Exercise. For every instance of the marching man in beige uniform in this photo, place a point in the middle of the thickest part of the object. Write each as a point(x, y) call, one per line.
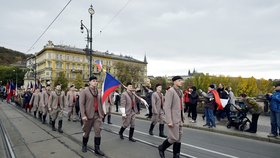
point(158, 112)
point(173, 107)
point(109, 104)
point(44, 101)
point(56, 105)
point(35, 101)
point(92, 114)
point(71, 102)
point(129, 110)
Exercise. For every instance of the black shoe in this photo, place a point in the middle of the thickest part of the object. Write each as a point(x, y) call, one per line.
point(206, 125)
point(131, 131)
point(44, 119)
point(109, 119)
point(84, 147)
point(176, 150)
point(161, 131)
point(163, 147)
point(60, 126)
point(121, 132)
point(97, 150)
point(53, 126)
point(151, 129)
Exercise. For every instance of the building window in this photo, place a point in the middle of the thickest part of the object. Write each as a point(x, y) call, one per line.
point(79, 67)
point(58, 65)
point(49, 55)
point(67, 66)
point(73, 66)
point(47, 73)
point(60, 57)
point(73, 76)
point(68, 75)
point(49, 64)
point(67, 57)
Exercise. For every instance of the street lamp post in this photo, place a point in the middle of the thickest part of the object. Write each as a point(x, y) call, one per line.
point(89, 37)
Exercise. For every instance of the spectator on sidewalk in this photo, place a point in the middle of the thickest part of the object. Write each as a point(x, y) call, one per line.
point(117, 100)
point(255, 109)
point(193, 98)
point(231, 101)
point(275, 112)
point(223, 95)
point(187, 102)
point(209, 106)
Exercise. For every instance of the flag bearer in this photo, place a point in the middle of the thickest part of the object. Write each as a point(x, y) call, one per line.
point(128, 102)
point(109, 104)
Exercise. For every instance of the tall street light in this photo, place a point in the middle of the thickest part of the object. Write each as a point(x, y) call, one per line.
point(89, 37)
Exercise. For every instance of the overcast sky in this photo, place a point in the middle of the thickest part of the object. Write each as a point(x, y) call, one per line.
point(227, 37)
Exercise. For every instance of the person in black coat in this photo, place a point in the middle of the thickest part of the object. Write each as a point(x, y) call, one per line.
point(193, 97)
point(27, 96)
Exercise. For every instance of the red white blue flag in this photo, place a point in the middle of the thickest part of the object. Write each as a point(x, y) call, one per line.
point(109, 85)
point(98, 64)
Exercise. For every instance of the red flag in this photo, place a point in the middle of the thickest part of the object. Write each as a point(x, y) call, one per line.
point(217, 100)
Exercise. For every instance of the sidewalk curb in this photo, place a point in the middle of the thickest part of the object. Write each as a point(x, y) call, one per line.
point(241, 134)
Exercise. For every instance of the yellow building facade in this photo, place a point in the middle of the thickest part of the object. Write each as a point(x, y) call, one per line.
point(53, 59)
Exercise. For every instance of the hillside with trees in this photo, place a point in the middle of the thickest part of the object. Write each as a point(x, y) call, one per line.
point(9, 56)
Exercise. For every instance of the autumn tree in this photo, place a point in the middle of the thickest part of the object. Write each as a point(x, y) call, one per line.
point(128, 72)
point(62, 80)
point(78, 82)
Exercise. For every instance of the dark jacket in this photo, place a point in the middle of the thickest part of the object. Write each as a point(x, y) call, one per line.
point(193, 97)
point(209, 100)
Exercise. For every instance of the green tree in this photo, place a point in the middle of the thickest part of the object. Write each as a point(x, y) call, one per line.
point(128, 72)
point(79, 83)
point(8, 73)
point(62, 80)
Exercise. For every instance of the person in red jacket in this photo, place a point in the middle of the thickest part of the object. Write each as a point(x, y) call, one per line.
point(187, 102)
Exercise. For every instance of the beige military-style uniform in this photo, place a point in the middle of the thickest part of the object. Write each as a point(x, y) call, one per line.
point(89, 97)
point(35, 101)
point(44, 101)
point(173, 107)
point(157, 108)
point(71, 102)
point(128, 101)
point(57, 102)
point(109, 103)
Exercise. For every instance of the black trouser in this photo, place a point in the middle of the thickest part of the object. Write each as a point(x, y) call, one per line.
point(187, 108)
point(227, 110)
point(193, 110)
point(117, 106)
point(150, 111)
point(254, 124)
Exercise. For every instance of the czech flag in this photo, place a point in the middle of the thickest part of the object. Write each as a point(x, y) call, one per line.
point(98, 64)
point(109, 85)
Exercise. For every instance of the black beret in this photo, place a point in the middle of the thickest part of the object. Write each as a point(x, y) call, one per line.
point(128, 83)
point(212, 86)
point(92, 78)
point(158, 85)
point(176, 78)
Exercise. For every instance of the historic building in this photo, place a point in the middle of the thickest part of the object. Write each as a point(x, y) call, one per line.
point(53, 59)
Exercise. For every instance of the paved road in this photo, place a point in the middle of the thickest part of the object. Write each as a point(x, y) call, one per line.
point(33, 139)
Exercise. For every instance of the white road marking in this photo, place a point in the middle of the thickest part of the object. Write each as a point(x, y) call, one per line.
point(193, 146)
